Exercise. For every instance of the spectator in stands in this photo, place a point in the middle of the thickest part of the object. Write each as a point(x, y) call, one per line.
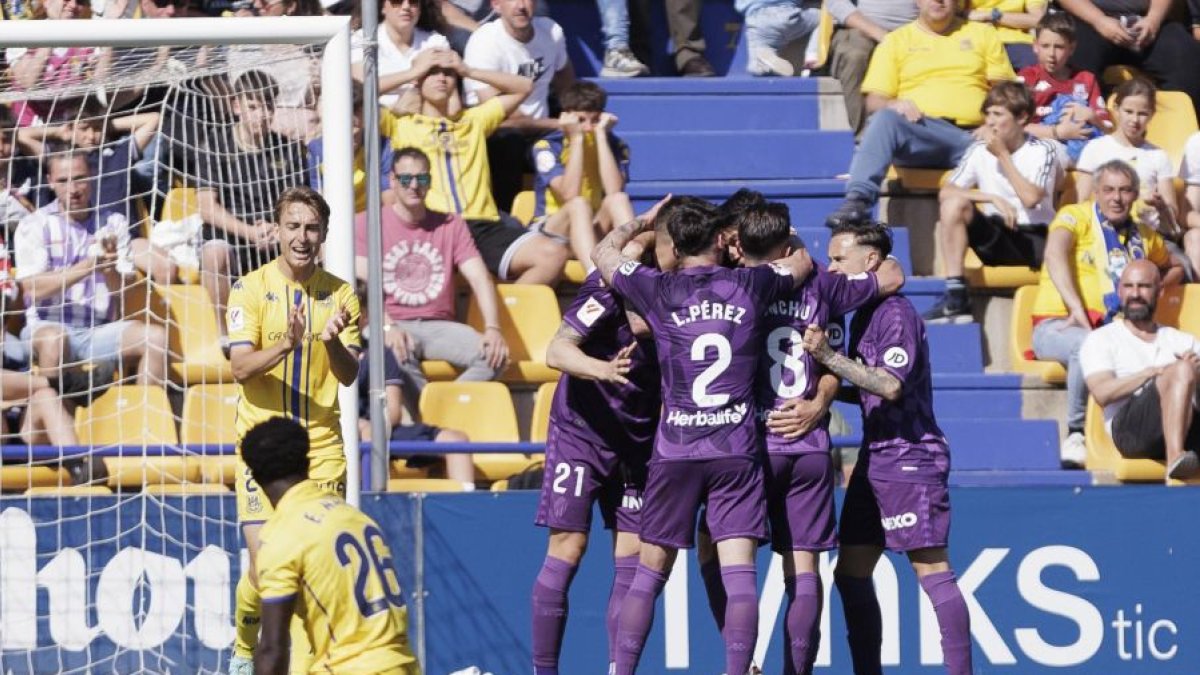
point(140, 9)
point(518, 43)
point(1069, 108)
point(581, 172)
point(1013, 20)
point(41, 418)
point(683, 24)
point(241, 173)
point(861, 25)
point(999, 200)
point(1118, 32)
point(421, 250)
point(773, 24)
point(73, 289)
point(406, 27)
point(1145, 377)
point(460, 172)
point(16, 178)
point(1156, 175)
point(1087, 249)
point(619, 60)
point(925, 89)
point(1189, 171)
point(458, 466)
point(51, 67)
point(316, 158)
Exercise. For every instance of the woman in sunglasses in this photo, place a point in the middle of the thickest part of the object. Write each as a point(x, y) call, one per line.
point(406, 27)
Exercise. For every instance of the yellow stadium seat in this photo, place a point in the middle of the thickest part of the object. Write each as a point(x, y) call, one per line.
point(134, 415)
point(222, 469)
point(22, 477)
point(539, 423)
point(824, 37)
point(998, 276)
point(575, 272)
point(1020, 340)
point(1179, 307)
point(180, 203)
point(439, 371)
point(185, 489)
point(926, 180)
point(484, 412)
point(1102, 454)
point(424, 485)
point(209, 413)
point(500, 485)
point(1116, 75)
point(400, 469)
point(194, 335)
point(69, 491)
point(529, 318)
point(1173, 123)
point(523, 206)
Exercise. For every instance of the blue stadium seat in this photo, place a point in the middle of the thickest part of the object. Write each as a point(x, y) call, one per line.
point(738, 155)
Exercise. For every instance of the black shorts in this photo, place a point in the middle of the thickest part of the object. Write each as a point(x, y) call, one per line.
point(417, 432)
point(1137, 428)
point(995, 244)
point(498, 241)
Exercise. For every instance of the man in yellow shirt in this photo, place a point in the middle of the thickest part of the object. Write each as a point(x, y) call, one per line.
point(924, 90)
point(325, 562)
point(1088, 246)
point(293, 331)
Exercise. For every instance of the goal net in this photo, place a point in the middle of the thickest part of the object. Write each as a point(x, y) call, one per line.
point(138, 178)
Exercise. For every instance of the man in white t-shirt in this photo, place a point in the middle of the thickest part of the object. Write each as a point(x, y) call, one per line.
point(1145, 376)
point(999, 200)
point(531, 46)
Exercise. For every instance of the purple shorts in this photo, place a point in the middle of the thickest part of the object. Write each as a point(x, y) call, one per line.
point(730, 489)
point(894, 515)
point(800, 502)
point(580, 473)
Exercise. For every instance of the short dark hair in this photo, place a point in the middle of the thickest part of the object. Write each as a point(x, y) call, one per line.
point(762, 228)
point(302, 194)
point(1012, 96)
point(691, 222)
point(740, 200)
point(276, 449)
point(411, 153)
point(868, 233)
point(1138, 86)
point(1059, 23)
point(256, 85)
point(583, 96)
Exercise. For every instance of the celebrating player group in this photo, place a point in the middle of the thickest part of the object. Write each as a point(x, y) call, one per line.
point(698, 372)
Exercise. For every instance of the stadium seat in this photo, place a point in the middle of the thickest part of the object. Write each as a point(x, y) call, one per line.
point(574, 272)
point(529, 318)
point(20, 478)
point(185, 489)
point(998, 276)
point(824, 38)
point(523, 206)
point(1179, 307)
point(180, 203)
point(1020, 340)
point(133, 415)
point(484, 412)
point(424, 485)
point(1113, 76)
point(910, 179)
point(221, 469)
point(194, 335)
point(1102, 454)
point(209, 414)
point(539, 422)
point(69, 491)
point(439, 371)
point(1173, 123)
point(400, 469)
point(500, 485)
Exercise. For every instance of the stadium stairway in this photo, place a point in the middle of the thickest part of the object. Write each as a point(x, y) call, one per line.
point(787, 138)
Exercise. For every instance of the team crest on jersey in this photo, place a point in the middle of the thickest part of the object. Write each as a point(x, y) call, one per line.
point(253, 503)
point(236, 319)
point(237, 285)
point(545, 161)
point(271, 297)
point(966, 45)
point(896, 357)
point(628, 267)
point(590, 311)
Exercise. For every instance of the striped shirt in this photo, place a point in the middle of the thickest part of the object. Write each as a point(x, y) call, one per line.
point(1036, 161)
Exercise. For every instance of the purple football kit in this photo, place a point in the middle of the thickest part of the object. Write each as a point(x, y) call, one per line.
point(601, 434)
point(708, 330)
point(897, 497)
point(799, 472)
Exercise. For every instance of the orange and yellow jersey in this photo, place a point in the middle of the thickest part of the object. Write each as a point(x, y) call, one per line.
point(301, 386)
point(333, 561)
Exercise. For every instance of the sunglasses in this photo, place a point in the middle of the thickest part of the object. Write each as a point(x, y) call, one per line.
point(424, 180)
point(399, 3)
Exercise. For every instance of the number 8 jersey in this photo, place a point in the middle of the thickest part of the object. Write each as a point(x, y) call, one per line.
point(332, 559)
point(708, 329)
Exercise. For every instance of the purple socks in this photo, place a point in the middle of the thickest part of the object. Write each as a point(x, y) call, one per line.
point(625, 569)
point(741, 616)
point(864, 623)
point(953, 619)
point(801, 628)
point(637, 613)
point(550, 613)
point(714, 588)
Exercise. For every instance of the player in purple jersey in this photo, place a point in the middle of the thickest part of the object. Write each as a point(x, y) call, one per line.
point(707, 327)
point(897, 498)
point(602, 424)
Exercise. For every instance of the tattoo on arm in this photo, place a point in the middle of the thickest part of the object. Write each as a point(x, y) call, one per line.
point(566, 332)
point(875, 380)
point(607, 254)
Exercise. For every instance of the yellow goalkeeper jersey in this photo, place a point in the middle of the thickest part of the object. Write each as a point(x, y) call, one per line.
point(333, 560)
point(301, 386)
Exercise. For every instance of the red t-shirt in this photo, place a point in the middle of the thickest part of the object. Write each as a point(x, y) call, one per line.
point(419, 260)
point(1046, 88)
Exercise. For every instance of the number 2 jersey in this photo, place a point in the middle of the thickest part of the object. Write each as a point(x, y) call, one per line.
point(901, 438)
point(332, 559)
point(785, 370)
point(708, 329)
point(621, 418)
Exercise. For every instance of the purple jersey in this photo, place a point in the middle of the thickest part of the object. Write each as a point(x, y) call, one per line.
point(785, 370)
point(620, 417)
point(902, 439)
point(708, 327)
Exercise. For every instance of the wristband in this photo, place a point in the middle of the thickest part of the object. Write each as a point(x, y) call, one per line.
point(495, 328)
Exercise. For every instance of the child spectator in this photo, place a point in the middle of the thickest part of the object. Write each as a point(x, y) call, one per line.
point(1189, 171)
point(581, 172)
point(1069, 107)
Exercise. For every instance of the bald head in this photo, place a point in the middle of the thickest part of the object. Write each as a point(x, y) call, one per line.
point(1138, 290)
